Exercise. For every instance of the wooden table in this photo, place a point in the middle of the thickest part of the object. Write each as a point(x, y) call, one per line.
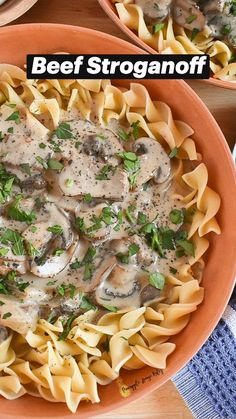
point(164, 403)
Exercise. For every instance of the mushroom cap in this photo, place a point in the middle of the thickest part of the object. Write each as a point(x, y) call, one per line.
point(82, 173)
point(154, 162)
point(154, 11)
point(186, 13)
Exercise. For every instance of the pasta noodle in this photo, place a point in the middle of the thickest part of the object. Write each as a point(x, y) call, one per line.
point(94, 351)
point(173, 39)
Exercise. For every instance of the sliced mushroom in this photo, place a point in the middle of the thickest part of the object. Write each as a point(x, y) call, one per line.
point(45, 262)
point(154, 161)
point(119, 288)
point(22, 146)
point(41, 236)
point(3, 334)
point(17, 315)
point(186, 13)
point(149, 293)
point(99, 268)
point(79, 178)
point(29, 182)
point(154, 11)
point(90, 217)
point(11, 265)
point(220, 19)
point(53, 264)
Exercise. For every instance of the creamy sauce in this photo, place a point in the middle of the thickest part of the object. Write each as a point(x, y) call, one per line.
point(218, 15)
point(83, 220)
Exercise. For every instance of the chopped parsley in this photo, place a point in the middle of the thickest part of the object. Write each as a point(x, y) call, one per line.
point(6, 183)
point(56, 229)
point(135, 127)
point(133, 249)
point(187, 246)
point(88, 198)
point(63, 289)
point(69, 183)
point(15, 116)
point(129, 212)
point(194, 33)
point(41, 161)
point(87, 263)
point(58, 252)
point(106, 172)
point(110, 308)
point(174, 153)
point(123, 135)
point(86, 304)
point(67, 326)
point(157, 27)
point(53, 164)
point(63, 131)
point(13, 238)
point(176, 216)
point(16, 213)
point(131, 164)
point(22, 285)
point(6, 315)
point(157, 280)
point(32, 251)
point(25, 167)
point(142, 218)
point(190, 19)
point(3, 251)
point(226, 29)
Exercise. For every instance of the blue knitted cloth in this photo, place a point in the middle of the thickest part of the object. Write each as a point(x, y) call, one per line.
point(208, 382)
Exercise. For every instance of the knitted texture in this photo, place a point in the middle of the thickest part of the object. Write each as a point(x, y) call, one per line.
point(208, 382)
point(214, 369)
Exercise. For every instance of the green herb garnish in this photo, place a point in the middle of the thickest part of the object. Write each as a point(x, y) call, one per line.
point(157, 280)
point(106, 172)
point(67, 326)
point(157, 27)
point(53, 164)
point(6, 315)
point(63, 131)
point(15, 116)
point(110, 308)
point(176, 216)
point(15, 239)
point(25, 167)
point(16, 213)
point(55, 229)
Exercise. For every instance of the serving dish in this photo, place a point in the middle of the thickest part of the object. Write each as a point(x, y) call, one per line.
point(110, 10)
point(12, 9)
point(34, 39)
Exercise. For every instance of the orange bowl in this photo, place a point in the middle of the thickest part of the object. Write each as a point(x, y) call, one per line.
point(110, 10)
point(13, 9)
point(19, 40)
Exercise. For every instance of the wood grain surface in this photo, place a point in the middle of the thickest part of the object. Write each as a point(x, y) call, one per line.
point(164, 403)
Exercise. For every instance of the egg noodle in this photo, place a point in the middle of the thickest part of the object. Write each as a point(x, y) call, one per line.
point(39, 363)
point(174, 39)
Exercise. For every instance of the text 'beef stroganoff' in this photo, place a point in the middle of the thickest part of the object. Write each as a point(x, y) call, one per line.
point(186, 27)
point(104, 209)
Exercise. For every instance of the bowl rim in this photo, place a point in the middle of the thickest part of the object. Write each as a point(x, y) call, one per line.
point(15, 10)
point(107, 7)
point(208, 329)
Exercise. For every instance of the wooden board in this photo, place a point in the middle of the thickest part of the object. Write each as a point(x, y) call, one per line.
point(164, 403)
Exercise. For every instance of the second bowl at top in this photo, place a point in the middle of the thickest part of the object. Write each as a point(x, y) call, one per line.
point(171, 38)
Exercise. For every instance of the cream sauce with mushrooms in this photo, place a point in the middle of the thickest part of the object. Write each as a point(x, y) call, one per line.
point(218, 15)
point(84, 220)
